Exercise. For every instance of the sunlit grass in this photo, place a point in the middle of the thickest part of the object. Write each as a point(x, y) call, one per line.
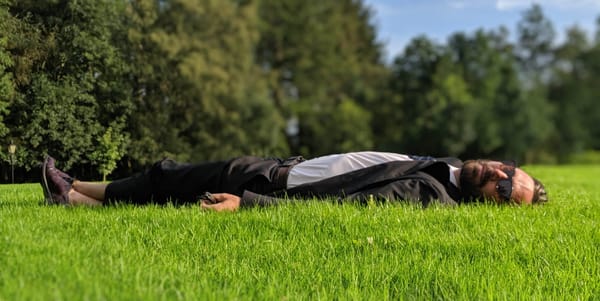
point(309, 250)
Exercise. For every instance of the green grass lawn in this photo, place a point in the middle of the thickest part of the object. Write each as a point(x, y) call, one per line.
point(311, 250)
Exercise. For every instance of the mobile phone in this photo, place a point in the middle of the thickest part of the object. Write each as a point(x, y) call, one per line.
point(208, 197)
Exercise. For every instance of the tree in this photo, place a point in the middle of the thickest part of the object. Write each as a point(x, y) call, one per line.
point(320, 56)
point(69, 77)
point(436, 107)
point(6, 84)
point(591, 60)
point(572, 94)
point(535, 49)
point(532, 114)
point(465, 99)
point(352, 124)
point(488, 65)
point(110, 149)
point(7, 89)
point(202, 97)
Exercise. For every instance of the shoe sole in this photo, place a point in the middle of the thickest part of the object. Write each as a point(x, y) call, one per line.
point(47, 192)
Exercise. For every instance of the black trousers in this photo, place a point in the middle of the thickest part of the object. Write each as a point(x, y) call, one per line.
point(169, 181)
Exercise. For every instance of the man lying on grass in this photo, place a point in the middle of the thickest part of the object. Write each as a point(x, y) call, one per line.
point(251, 181)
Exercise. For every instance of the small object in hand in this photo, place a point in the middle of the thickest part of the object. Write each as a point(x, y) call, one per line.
point(208, 197)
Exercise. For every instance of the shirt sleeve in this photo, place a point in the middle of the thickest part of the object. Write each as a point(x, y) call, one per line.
point(417, 189)
point(251, 199)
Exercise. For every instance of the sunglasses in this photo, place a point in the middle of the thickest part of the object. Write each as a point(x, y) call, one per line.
point(504, 187)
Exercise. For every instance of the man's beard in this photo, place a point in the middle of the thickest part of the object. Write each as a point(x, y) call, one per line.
point(470, 185)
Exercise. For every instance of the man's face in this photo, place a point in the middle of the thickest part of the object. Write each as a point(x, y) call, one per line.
point(484, 178)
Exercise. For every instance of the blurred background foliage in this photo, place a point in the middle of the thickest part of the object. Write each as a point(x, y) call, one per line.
point(212, 79)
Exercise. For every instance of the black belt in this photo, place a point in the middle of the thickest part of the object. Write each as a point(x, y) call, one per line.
point(280, 178)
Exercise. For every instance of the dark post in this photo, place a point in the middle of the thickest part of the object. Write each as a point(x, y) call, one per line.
point(12, 148)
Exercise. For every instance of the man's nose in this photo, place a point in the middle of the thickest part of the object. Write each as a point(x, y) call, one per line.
point(498, 174)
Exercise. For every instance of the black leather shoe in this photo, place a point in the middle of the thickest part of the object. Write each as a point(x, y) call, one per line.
point(51, 165)
point(44, 183)
point(56, 184)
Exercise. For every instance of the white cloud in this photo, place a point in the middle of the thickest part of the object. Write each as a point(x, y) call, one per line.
point(560, 4)
point(511, 4)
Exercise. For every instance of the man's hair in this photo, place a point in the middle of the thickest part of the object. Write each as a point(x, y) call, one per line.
point(539, 192)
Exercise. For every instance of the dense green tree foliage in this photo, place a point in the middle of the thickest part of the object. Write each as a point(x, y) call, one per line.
point(569, 95)
point(322, 59)
point(534, 55)
point(67, 72)
point(574, 94)
point(436, 102)
point(119, 84)
point(198, 92)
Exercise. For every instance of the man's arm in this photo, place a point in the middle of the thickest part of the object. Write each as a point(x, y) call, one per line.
point(419, 187)
point(230, 202)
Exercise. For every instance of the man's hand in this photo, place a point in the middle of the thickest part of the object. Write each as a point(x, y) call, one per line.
point(223, 202)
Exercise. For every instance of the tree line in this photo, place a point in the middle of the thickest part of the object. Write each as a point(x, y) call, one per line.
point(119, 84)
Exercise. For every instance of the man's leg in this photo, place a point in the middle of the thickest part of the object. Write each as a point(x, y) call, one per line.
point(77, 198)
point(166, 181)
point(90, 190)
point(171, 181)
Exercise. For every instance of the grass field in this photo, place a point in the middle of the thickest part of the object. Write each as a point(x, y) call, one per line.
point(306, 251)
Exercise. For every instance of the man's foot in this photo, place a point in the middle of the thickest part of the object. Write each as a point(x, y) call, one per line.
point(51, 165)
point(56, 184)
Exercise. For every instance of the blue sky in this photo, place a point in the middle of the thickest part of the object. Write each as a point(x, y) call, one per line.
point(398, 21)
